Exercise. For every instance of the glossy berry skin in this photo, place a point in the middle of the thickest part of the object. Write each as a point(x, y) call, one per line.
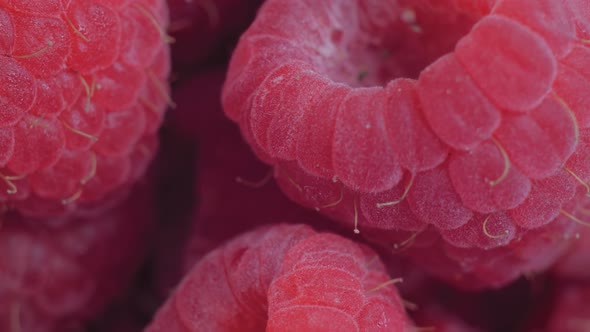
point(82, 95)
point(285, 278)
point(470, 122)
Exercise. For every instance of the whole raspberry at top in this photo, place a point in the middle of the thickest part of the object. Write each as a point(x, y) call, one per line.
point(469, 119)
point(82, 93)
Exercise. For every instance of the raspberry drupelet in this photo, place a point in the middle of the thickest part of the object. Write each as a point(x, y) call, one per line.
point(464, 120)
point(83, 91)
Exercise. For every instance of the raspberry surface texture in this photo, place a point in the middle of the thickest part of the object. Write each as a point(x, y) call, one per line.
point(82, 93)
point(56, 276)
point(464, 119)
point(285, 278)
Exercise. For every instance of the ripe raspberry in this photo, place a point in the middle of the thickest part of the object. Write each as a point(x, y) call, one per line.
point(466, 118)
point(285, 278)
point(57, 277)
point(83, 92)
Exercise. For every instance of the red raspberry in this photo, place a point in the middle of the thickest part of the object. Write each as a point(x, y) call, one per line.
point(56, 277)
point(467, 118)
point(285, 278)
point(83, 92)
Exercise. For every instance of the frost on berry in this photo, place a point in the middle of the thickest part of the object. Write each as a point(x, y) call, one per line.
point(57, 181)
point(119, 86)
point(494, 184)
point(83, 123)
point(571, 84)
point(95, 34)
point(289, 276)
point(36, 7)
point(122, 130)
point(539, 143)
point(512, 66)
point(7, 37)
point(412, 141)
point(546, 17)
point(18, 91)
point(360, 118)
point(81, 81)
point(433, 200)
point(56, 94)
point(464, 120)
point(454, 105)
point(579, 10)
point(41, 144)
point(545, 201)
point(41, 44)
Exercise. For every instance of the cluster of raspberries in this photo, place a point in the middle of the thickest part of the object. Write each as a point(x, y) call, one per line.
point(294, 165)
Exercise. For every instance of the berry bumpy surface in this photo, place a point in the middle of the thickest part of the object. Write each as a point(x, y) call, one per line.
point(82, 93)
point(285, 278)
point(463, 124)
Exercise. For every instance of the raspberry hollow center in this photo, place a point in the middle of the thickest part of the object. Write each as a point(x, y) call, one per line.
point(385, 40)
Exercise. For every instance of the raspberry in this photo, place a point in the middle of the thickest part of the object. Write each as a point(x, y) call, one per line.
point(285, 278)
point(468, 119)
point(83, 93)
point(57, 275)
point(480, 266)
